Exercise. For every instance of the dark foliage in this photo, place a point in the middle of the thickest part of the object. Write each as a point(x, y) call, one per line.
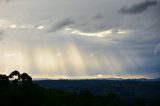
point(23, 92)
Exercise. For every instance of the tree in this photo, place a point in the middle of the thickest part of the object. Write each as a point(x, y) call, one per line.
point(4, 78)
point(26, 78)
point(15, 73)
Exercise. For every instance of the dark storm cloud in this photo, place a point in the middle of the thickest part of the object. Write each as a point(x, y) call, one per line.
point(89, 23)
point(61, 24)
point(138, 8)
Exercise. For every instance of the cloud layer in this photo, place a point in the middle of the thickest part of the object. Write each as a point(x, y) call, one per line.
point(61, 24)
point(80, 37)
point(138, 8)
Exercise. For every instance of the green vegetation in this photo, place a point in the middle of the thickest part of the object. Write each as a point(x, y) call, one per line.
point(18, 89)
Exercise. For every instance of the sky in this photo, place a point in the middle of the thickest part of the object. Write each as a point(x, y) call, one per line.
point(80, 38)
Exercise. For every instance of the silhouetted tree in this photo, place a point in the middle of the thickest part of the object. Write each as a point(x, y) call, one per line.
point(26, 78)
point(15, 73)
point(4, 78)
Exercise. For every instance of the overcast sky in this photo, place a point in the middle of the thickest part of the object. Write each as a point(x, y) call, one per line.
point(85, 38)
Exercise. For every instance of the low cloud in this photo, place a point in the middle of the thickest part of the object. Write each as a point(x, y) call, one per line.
point(61, 24)
point(138, 8)
point(101, 34)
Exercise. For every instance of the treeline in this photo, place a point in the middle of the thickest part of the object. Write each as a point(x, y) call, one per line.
point(15, 77)
point(18, 90)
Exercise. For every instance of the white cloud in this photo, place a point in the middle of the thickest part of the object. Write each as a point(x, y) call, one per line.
point(40, 27)
point(6, 24)
point(102, 34)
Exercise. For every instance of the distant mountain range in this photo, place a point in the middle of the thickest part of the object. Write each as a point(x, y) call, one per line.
point(114, 79)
